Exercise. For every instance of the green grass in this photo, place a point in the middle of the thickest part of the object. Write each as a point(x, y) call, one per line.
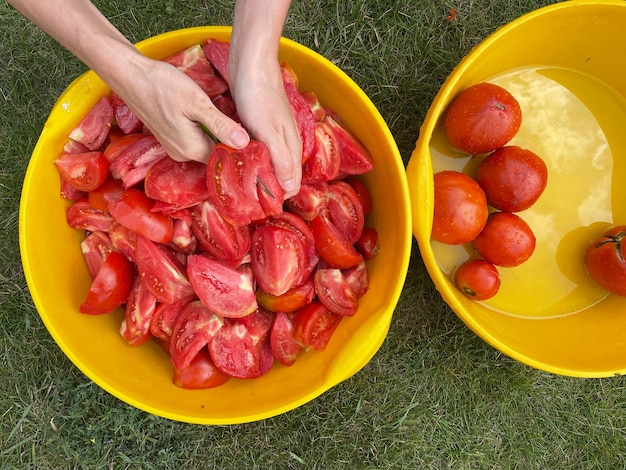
point(435, 395)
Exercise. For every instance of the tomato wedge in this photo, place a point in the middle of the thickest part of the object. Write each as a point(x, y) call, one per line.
point(226, 290)
point(110, 190)
point(84, 171)
point(193, 329)
point(334, 292)
point(95, 248)
point(332, 246)
point(180, 184)
point(284, 346)
point(292, 300)
point(345, 210)
point(140, 308)
point(310, 201)
point(165, 315)
point(110, 287)
point(201, 373)
point(323, 165)
point(134, 211)
point(93, 129)
point(83, 216)
point(314, 325)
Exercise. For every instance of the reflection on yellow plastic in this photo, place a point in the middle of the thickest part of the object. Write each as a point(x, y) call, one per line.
point(560, 62)
point(58, 278)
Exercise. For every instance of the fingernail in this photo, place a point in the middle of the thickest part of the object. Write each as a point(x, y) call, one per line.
point(288, 185)
point(239, 139)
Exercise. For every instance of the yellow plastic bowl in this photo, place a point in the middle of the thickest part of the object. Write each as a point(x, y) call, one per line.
point(58, 278)
point(582, 38)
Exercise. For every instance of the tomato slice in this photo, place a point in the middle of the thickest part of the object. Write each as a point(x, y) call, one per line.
point(278, 259)
point(193, 62)
point(110, 190)
point(117, 147)
point(314, 325)
point(110, 287)
point(83, 216)
point(218, 52)
point(218, 236)
point(345, 210)
point(69, 192)
point(134, 211)
point(304, 118)
point(193, 329)
point(165, 315)
point(358, 279)
point(123, 239)
point(140, 308)
point(319, 113)
point(84, 171)
point(292, 300)
point(284, 346)
point(334, 292)
point(332, 246)
point(310, 201)
point(183, 237)
point(180, 184)
point(226, 290)
point(323, 165)
point(238, 353)
point(125, 118)
point(93, 129)
point(132, 161)
point(163, 274)
point(354, 159)
point(362, 193)
point(201, 373)
point(95, 248)
point(368, 244)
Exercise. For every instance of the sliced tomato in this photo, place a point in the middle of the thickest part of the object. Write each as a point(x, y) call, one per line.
point(117, 147)
point(193, 62)
point(355, 159)
point(227, 106)
point(81, 215)
point(69, 192)
point(278, 259)
point(258, 324)
point(332, 246)
point(310, 201)
point(195, 326)
point(345, 210)
point(183, 237)
point(319, 113)
point(110, 287)
point(304, 118)
point(218, 53)
point(362, 193)
point(163, 274)
point(292, 300)
point(110, 190)
point(217, 236)
point(134, 211)
point(95, 248)
point(132, 161)
point(93, 129)
point(180, 184)
point(314, 325)
point(323, 165)
point(123, 239)
point(165, 315)
point(140, 308)
point(357, 278)
point(201, 373)
point(125, 118)
point(368, 244)
point(84, 171)
point(334, 292)
point(284, 346)
point(226, 290)
point(237, 353)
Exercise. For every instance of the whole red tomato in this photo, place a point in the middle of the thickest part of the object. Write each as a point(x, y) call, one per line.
point(482, 118)
point(460, 208)
point(507, 240)
point(478, 279)
point(513, 178)
point(605, 260)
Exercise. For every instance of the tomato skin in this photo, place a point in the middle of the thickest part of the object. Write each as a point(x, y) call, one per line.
point(110, 190)
point(478, 279)
point(134, 211)
point(368, 244)
point(323, 164)
point(460, 211)
point(83, 216)
point(95, 248)
point(482, 118)
point(284, 346)
point(292, 300)
point(345, 210)
point(605, 260)
point(507, 240)
point(334, 292)
point(362, 193)
point(84, 171)
point(111, 286)
point(332, 247)
point(513, 178)
point(201, 373)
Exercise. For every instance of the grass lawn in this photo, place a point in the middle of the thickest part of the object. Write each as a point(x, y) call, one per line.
point(434, 396)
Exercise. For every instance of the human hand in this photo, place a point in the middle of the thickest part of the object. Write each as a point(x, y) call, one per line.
point(173, 106)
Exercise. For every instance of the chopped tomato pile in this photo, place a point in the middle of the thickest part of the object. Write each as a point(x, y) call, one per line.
point(483, 211)
point(210, 260)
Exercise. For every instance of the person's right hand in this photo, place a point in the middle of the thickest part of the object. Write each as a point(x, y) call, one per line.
point(173, 106)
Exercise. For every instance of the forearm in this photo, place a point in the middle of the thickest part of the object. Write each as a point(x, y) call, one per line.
point(81, 28)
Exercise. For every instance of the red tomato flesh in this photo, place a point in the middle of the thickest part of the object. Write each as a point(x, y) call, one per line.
point(110, 287)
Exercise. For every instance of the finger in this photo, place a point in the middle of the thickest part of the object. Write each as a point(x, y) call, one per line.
point(223, 128)
point(286, 158)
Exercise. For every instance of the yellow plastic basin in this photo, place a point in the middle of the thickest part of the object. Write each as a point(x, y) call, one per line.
point(58, 278)
point(563, 62)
